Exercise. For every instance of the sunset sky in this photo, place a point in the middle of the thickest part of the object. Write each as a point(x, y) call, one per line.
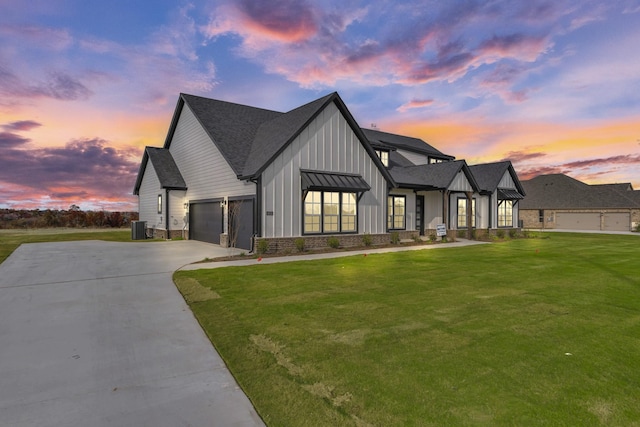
point(554, 86)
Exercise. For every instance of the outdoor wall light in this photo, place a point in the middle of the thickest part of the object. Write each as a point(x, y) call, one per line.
point(223, 203)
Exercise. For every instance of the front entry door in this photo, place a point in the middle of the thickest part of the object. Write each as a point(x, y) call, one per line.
point(420, 214)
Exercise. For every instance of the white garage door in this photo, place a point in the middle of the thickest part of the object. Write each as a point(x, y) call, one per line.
point(617, 222)
point(578, 221)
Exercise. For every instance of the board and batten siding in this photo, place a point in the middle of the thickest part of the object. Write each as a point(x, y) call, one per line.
point(415, 158)
point(432, 209)
point(148, 199)
point(204, 169)
point(507, 181)
point(328, 144)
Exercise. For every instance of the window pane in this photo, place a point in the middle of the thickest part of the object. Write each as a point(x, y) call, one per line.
point(348, 212)
point(312, 209)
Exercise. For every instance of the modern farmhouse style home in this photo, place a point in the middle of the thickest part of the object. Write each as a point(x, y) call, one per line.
point(235, 175)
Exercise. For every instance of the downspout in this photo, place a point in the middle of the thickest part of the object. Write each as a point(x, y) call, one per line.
point(257, 211)
point(166, 215)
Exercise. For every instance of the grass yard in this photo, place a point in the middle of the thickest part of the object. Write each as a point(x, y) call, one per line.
point(11, 239)
point(542, 331)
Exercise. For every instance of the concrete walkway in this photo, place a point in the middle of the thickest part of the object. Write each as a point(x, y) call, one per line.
point(311, 256)
point(554, 230)
point(96, 334)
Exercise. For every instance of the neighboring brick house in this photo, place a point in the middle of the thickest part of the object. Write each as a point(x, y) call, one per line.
point(558, 201)
point(228, 169)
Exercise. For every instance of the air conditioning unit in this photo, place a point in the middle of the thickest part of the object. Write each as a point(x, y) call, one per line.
point(138, 230)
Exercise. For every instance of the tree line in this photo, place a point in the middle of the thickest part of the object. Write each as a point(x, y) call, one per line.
point(73, 217)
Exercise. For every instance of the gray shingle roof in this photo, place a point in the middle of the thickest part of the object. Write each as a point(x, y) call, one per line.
point(250, 138)
point(232, 127)
point(435, 176)
point(391, 140)
point(165, 167)
point(558, 191)
point(488, 175)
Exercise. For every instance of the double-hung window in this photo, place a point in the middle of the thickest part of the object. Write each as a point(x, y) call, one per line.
point(462, 213)
point(330, 212)
point(505, 213)
point(396, 210)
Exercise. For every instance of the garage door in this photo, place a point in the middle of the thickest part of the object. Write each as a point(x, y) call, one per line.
point(617, 222)
point(205, 222)
point(578, 221)
point(241, 217)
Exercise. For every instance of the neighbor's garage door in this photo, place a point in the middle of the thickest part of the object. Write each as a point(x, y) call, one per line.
point(617, 222)
point(578, 221)
point(205, 222)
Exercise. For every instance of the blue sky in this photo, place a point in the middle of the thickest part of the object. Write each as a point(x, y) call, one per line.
point(85, 85)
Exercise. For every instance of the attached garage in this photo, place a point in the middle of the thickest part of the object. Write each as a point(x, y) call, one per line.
point(578, 220)
point(617, 221)
point(205, 221)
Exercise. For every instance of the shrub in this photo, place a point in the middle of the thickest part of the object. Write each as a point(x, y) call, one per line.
point(513, 233)
point(500, 234)
point(433, 237)
point(461, 234)
point(299, 242)
point(395, 237)
point(367, 240)
point(416, 238)
point(333, 242)
point(262, 247)
point(638, 228)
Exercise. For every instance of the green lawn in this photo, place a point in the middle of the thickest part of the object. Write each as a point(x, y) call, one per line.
point(542, 331)
point(11, 239)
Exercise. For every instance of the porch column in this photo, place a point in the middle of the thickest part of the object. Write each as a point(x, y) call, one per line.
point(445, 208)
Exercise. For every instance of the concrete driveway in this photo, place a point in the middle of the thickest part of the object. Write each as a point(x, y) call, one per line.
point(96, 334)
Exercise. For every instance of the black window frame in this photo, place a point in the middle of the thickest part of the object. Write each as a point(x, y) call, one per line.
point(501, 203)
point(391, 215)
point(379, 154)
point(473, 213)
point(540, 215)
point(160, 204)
point(322, 214)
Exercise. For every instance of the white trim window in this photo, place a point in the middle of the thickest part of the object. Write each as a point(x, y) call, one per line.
point(159, 203)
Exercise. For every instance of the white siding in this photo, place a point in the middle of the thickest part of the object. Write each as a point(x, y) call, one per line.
point(148, 198)
point(507, 181)
point(177, 212)
point(482, 211)
point(327, 144)
point(432, 209)
point(460, 183)
point(415, 158)
point(204, 169)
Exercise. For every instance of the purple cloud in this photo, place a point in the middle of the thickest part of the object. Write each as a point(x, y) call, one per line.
point(58, 85)
point(85, 165)
point(21, 125)
point(521, 156)
point(10, 140)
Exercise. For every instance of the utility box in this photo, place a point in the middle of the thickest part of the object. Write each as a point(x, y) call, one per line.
point(138, 230)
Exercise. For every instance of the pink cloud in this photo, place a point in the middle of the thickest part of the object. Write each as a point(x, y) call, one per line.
point(415, 103)
point(517, 46)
